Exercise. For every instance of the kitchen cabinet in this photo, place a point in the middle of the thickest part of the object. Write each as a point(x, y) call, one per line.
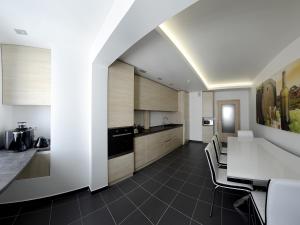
point(120, 95)
point(150, 95)
point(26, 75)
point(120, 168)
point(150, 148)
point(183, 113)
point(207, 133)
point(207, 104)
point(39, 166)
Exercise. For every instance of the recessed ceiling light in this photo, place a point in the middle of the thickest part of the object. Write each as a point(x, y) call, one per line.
point(188, 81)
point(171, 84)
point(159, 78)
point(142, 71)
point(21, 32)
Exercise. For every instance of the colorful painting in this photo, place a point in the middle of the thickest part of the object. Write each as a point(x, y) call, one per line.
point(278, 99)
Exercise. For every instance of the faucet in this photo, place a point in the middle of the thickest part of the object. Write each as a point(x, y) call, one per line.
point(165, 120)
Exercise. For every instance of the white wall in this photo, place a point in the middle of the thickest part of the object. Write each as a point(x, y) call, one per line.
point(284, 139)
point(195, 123)
point(157, 118)
point(241, 94)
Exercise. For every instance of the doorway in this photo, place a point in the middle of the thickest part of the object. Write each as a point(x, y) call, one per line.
point(228, 119)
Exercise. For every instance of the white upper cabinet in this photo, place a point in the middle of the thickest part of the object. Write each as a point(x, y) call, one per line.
point(26, 75)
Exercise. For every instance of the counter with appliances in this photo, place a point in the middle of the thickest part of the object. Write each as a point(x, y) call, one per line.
point(156, 129)
point(12, 163)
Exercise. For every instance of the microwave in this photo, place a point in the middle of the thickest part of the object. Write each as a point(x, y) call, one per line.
point(207, 121)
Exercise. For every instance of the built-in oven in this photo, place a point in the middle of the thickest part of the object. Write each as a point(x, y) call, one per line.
point(120, 141)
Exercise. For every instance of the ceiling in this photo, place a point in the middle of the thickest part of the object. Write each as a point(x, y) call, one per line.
point(160, 59)
point(226, 43)
point(52, 21)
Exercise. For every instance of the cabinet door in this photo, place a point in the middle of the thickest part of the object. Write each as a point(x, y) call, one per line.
point(207, 133)
point(140, 145)
point(120, 95)
point(155, 144)
point(150, 95)
point(120, 168)
point(207, 104)
point(26, 73)
point(39, 166)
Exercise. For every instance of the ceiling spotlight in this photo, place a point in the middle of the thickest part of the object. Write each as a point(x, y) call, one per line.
point(20, 31)
point(171, 84)
point(188, 81)
point(159, 78)
point(142, 71)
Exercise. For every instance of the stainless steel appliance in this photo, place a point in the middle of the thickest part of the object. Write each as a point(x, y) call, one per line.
point(207, 121)
point(120, 141)
point(19, 139)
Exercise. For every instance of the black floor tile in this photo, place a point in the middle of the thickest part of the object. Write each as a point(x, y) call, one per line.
point(90, 203)
point(174, 184)
point(229, 199)
point(191, 190)
point(64, 213)
point(184, 204)
point(36, 217)
point(196, 180)
point(230, 217)
point(9, 209)
point(121, 209)
point(7, 220)
point(172, 217)
point(165, 194)
point(202, 211)
point(76, 222)
point(139, 178)
point(161, 177)
point(111, 194)
point(138, 196)
point(153, 209)
point(181, 175)
point(152, 186)
point(101, 216)
point(36, 205)
point(207, 195)
point(127, 185)
point(136, 218)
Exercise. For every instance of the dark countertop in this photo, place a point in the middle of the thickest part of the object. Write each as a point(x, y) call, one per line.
point(156, 129)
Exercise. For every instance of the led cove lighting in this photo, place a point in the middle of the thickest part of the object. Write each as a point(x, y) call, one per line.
point(179, 45)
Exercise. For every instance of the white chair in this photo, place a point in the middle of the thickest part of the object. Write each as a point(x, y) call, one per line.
point(222, 149)
point(245, 133)
point(280, 205)
point(219, 175)
point(221, 158)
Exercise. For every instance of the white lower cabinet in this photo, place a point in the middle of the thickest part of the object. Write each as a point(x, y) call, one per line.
point(149, 148)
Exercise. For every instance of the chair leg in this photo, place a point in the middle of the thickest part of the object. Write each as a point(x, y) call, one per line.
point(249, 211)
point(213, 201)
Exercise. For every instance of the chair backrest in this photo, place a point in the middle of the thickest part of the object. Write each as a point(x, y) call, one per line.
point(283, 202)
point(218, 139)
point(245, 133)
point(212, 161)
point(215, 143)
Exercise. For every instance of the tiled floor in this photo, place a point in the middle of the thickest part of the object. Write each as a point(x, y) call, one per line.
point(176, 190)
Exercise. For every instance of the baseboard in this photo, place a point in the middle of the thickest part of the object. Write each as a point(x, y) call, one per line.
point(98, 190)
point(194, 141)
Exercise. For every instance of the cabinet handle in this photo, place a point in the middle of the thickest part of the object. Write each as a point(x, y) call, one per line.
point(119, 135)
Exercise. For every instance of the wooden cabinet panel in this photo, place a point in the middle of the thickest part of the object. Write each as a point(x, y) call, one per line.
point(26, 75)
point(207, 104)
point(150, 95)
point(183, 113)
point(140, 147)
point(120, 168)
point(151, 147)
point(207, 133)
point(39, 166)
point(120, 95)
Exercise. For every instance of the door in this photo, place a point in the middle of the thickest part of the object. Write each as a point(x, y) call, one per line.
point(228, 118)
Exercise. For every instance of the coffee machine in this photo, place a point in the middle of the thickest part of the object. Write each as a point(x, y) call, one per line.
point(19, 139)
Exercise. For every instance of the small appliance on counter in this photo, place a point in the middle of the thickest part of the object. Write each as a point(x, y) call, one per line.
point(19, 139)
point(41, 142)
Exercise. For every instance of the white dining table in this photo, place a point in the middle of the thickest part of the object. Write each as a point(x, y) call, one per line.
point(256, 159)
